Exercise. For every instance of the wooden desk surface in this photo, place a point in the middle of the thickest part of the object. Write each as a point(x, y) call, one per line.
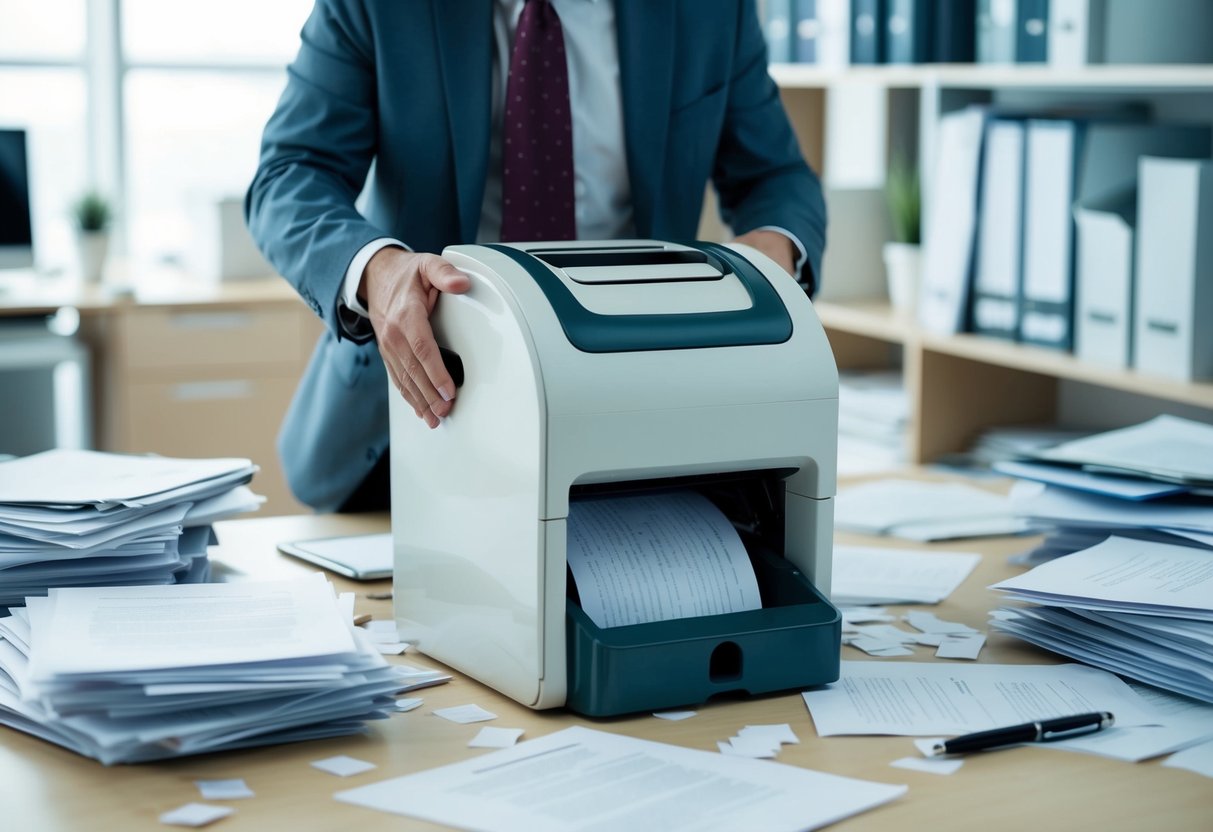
point(45, 788)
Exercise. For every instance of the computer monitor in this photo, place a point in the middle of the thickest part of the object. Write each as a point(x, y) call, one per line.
point(16, 227)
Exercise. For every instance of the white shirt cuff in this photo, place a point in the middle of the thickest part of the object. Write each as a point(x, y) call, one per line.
point(802, 254)
point(353, 275)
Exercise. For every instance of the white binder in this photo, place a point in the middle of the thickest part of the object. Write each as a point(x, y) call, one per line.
point(1104, 288)
point(996, 276)
point(1174, 296)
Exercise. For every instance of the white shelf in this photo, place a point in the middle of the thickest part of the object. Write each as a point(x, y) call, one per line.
point(1126, 78)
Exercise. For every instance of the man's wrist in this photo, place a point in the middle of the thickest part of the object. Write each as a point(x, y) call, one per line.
point(353, 290)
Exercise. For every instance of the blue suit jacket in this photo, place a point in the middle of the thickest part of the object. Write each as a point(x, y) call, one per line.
point(406, 84)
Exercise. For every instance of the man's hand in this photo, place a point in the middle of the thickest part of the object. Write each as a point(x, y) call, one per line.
point(774, 245)
point(401, 288)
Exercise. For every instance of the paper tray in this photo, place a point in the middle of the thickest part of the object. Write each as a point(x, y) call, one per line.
point(792, 642)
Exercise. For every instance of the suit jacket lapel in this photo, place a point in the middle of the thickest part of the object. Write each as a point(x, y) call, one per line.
point(646, 71)
point(465, 51)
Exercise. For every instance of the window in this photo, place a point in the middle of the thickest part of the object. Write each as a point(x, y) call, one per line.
point(165, 118)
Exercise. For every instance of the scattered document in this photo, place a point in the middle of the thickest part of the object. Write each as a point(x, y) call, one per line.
point(1197, 759)
point(1123, 575)
point(756, 748)
point(406, 705)
point(1165, 447)
point(86, 478)
point(224, 789)
point(928, 622)
point(129, 674)
point(868, 575)
point(343, 766)
point(1053, 506)
point(195, 814)
point(917, 699)
point(490, 737)
point(1182, 722)
point(655, 557)
point(930, 766)
point(1109, 485)
point(1175, 654)
point(579, 778)
point(782, 733)
point(465, 714)
point(924, 511)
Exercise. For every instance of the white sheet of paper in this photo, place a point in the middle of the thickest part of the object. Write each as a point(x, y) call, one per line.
point(675, 716)
point(1198, 759)
point(406, 705)
point(930, 766)
point(961, 647)
point(579, 778)
point(1126, 488)
point(870, 575)
point(490, 737)
point(1165, 445)
point(918, 699)
point(1122, 573)
point(465, 714)
point(391, 648)
point(343, 766)
point(223, 789)
point(878, 646)
point(654, 557)
point(195, 814)
point(85, 477)
point(126, 628)
point(883, 505)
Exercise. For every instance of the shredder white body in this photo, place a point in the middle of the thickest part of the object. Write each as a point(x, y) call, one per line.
point(479, 504)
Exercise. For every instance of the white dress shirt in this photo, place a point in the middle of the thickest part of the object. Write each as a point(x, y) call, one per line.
point(601, 188)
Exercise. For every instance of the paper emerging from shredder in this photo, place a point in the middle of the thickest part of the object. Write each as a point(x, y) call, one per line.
point(653, 557)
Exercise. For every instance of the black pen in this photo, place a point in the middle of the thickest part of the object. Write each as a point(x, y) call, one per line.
point(1046, 730)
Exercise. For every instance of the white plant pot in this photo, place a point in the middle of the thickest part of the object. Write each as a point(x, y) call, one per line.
point(903, 267)
point(93, 247)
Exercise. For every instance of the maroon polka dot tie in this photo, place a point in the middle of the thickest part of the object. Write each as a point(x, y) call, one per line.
point(537, 150)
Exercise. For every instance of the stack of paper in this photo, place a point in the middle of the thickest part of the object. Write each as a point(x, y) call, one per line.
point(1138, 608)
point(82, 518)
point(126, 674)
point(1151, 482)
point(873, 414)
point(924, 511)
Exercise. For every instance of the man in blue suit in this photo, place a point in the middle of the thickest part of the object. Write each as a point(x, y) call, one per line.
point(407, 97)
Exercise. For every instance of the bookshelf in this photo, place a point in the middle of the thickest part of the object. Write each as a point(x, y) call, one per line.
point(958, 385)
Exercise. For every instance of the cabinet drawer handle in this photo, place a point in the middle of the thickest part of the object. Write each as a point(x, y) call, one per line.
point(193, 391)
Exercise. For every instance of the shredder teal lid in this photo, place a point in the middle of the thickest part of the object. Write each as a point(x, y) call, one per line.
point(765, 321)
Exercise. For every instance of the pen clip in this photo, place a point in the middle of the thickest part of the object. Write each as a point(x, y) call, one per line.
point(1068, 733)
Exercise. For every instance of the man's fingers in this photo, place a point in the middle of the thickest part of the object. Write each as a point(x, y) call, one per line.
point(427, 368)
point(440, 274)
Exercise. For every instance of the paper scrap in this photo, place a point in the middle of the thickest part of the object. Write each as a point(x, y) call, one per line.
point(195, 814)
point(463, 714)
point(1198, 759)
point(675, 716)
point(928, 623)
point(404, 705)
point(879, 647)
point(343, 766)
point(758, 748)
point(961, 647)
point(490, 737)
point(391, 648)
point(932, 766)
point(862, 615)
point(223, 789)
point(926, 745)
point(782, 733)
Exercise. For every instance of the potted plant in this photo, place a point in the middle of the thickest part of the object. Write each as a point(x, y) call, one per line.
point(92, 216)
point(902, 255)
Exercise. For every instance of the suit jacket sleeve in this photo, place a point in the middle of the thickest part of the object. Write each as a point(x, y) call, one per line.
point(315, 154)
point(760, 175)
